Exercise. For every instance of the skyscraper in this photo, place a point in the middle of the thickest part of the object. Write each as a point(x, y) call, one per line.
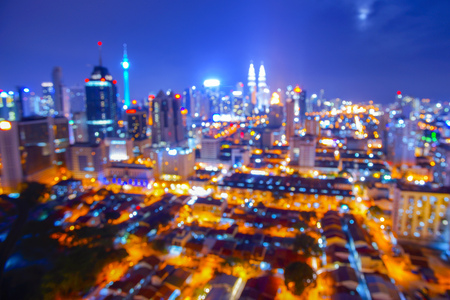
point(58, 100)
point(126, 87)
point(47, 103)
point(263, 91)
point(137, 124)
point(167, 126)
point(101, 103)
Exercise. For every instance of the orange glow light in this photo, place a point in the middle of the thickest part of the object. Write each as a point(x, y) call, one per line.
point(134, 102)
point(5, 125)
point(297, 89)
point(103, 79)
point(131, 111)
point(177, 96)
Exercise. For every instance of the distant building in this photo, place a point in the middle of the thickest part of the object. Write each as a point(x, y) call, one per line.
point(302, 150)
point(137, 124)
point(77, 99)
point(210, 147)
point(88, 160)
point(421, 214)
point(290, 126)
point(48, 99)
point(441, 169)
point(33, 149)
point(80, 127)
point(167, 125)
point(61, 103)
point(8, 107)
point(171, 164)
point(402, 141)
point(101, 102)
point(312, 125)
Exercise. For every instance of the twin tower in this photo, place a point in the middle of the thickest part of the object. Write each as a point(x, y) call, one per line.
point(260, 97)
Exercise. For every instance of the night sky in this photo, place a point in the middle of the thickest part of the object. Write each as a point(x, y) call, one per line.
point(354, 49)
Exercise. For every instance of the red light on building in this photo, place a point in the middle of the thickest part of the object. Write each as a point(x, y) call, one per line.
point(231, 124)
point(86, 80)
point(151, 97)
point(242, 85)
point(242, 134)
point(297, 89)
point(399, 92)
point(114, 81)
point(131, 111)
point(177, 96)
point(103, 79)
point(99, 43)
point(138, 207)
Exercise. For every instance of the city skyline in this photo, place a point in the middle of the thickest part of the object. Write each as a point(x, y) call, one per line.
point(377, 49)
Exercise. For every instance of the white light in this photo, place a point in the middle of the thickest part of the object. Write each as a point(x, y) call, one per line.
point(3, 94)
point(237, 93)
point(193, 87)
point(172, 152)
point(125, 65)
point(211, 83)
point(26, 90)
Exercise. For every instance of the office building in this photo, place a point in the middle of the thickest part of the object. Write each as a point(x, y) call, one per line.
point(101, 105)
point(77, 99)
point(263, 91)
point(61, 98)
point(289, 128)
point(421, 214)
point(302, 151)
point(312, 125)
point(172, 164)
point(167, 126)
point(33, 149)
point(8, 106)
point(137, 124)
point(47, 101)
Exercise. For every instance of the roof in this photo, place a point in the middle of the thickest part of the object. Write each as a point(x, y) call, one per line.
point(178, 278)
point(224, 279)
point(345, 274)
point(265, 287)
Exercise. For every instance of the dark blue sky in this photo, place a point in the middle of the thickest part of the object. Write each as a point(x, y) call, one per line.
point(353, 49)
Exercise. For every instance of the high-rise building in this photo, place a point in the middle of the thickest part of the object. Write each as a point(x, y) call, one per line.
point(302, 150)
point(275, 115)
point(80, 127)
point(421, 214)
point(47, 102)
point(101, 105)
point(126, 85)
point(137, 124)
point(299, 98)
point(167, 125)
point(263, 90)
point(290, 126)
point(402, 140)
point(33, 149)
point(312, 125)
point(60, 105)
point(77, 99)
point(8, 106)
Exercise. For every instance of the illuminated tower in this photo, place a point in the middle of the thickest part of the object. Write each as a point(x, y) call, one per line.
point(263, 91)
point(251, 78)
point(125, 66)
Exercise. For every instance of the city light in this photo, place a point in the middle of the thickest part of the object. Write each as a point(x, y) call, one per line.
point(5, 125)
point(125, 65)
point(211, 83)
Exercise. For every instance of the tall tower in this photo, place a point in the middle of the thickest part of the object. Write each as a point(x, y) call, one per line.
point(58, 89)
point(125, 66)
point(263, 93)
point(251, 78)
